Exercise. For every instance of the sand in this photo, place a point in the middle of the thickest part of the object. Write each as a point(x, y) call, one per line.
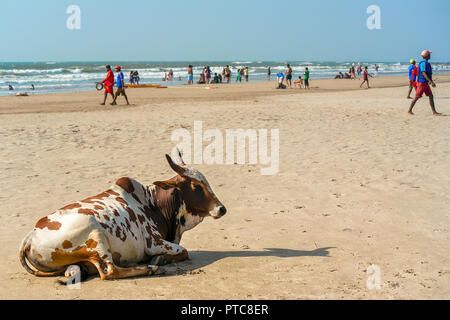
point(360, 183)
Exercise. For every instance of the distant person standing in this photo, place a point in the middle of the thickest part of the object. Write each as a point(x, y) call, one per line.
point(120, 84)
point(223, 74)
point(246, 74)
point(359, 70)
point(413, 73)
point(376, 69)
point(366, 78)
point(425, 77)
point(131, 77)
point(228, 73)
point(289, 75)
point(268, 74)
point(208, 74)
point(238, 75)
point(306, 79)
point(136, 77)
point(108, 84)
point(190, 75)
point(352, 72)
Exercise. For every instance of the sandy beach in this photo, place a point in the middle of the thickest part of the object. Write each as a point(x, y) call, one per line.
point(360, 183)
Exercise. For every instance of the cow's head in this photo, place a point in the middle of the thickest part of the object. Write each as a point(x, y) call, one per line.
point(194, 189)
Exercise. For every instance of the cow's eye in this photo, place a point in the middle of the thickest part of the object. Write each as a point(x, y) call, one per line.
point(198, 187)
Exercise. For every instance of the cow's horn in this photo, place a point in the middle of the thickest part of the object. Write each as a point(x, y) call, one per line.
point(177, 168)
point(180, 158)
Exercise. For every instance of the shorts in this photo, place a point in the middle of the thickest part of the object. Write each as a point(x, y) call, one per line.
point(423, 87)
point(190, 77)
point(109, 88)
point(306, 82)
point(120, 91)
point(289, 77)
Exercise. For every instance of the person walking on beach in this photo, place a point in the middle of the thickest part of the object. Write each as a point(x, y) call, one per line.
point(268, 74)
point(289, 75)
point(413, 73)
point(425, 77)
point(120, 84)
point(108, 84)
point(366, 78)
point(306, 79)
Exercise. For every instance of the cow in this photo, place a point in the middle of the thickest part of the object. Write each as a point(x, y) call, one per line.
point(129, 230)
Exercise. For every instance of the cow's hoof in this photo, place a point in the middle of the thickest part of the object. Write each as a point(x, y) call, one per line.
point(158, 260)
point(152, 269)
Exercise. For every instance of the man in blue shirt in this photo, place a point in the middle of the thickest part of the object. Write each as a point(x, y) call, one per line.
point(425, 76)
point(120, 84)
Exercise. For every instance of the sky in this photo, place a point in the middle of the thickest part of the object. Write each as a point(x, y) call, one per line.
point(231, 30)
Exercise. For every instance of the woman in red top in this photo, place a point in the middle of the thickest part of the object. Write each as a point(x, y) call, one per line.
point(109, 84)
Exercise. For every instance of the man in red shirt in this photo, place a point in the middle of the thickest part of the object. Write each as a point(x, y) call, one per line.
point(109, 84)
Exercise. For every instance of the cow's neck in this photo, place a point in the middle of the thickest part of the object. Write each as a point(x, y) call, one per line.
point(171, 216)
point(166, 206)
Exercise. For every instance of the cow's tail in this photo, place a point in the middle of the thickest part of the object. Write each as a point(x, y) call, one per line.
point(24, 248)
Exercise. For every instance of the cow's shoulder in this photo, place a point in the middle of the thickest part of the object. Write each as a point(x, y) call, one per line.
point(127, 184)
point(133, 188)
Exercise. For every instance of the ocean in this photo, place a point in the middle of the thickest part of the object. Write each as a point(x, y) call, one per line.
point(53, 77)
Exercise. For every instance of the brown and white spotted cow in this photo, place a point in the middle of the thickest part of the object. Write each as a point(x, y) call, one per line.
point(115, 232)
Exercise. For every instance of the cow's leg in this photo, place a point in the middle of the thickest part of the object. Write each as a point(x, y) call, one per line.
point(106, 268)
point(115, 272)
point(167, 252)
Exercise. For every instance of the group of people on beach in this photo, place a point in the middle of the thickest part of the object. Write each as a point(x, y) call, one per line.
point(169, 76)
point(358, 70)
point(134, 77)
point(109, 83)
point(300, 83)
point(420, 79)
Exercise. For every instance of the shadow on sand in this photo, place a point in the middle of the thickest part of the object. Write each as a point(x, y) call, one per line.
point(203, 258)
point(199, 259)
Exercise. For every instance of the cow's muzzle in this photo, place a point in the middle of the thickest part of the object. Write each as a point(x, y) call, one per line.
point(218, 212)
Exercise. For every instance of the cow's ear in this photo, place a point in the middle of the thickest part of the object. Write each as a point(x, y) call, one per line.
point(166, 184)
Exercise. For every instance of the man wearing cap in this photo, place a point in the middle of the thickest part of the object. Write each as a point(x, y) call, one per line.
point(424, 78)
point(120, 84)
point(413, 73)
point(109, 84)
